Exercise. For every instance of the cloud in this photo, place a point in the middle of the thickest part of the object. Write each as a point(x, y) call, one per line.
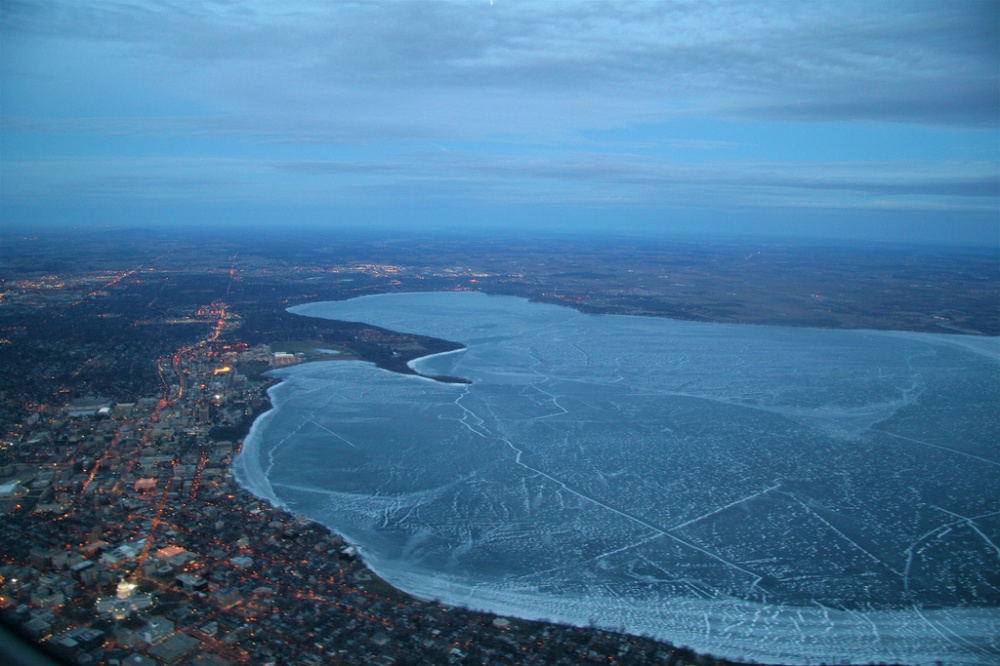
point(642, 102)
point(584, 177)
point(574, 179)
point(549, 66)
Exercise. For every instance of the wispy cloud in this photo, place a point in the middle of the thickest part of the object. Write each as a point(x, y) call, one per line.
point(549, 100)
point(577, 64)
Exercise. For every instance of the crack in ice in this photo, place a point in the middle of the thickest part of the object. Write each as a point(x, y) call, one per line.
point(938, 446)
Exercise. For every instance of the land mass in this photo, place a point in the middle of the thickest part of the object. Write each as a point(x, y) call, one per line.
point(133, 364)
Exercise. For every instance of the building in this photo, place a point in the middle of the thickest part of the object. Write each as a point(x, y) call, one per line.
point(282, 358)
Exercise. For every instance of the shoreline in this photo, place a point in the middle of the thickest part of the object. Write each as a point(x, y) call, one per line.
point(424, 358)
point(444, 379)
point(238, 469)
point(408, 597)
point(541, 616)
point(247, 487)
point(891, 621)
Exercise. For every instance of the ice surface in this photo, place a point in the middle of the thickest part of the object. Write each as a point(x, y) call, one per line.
point(797, 495)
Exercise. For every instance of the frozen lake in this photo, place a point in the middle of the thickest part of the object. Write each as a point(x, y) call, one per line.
point(775, 494)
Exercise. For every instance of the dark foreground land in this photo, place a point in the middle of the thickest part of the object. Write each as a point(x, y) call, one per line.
point(131, 366)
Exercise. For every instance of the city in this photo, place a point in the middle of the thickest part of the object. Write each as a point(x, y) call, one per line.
point(128, 390)
point(805, 196)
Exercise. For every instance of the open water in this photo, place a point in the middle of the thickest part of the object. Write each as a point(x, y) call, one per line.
point(776, 494)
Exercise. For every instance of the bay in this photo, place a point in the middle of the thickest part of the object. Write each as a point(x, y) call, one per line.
point(766, 493)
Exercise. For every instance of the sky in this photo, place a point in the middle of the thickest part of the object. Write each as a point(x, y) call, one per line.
point(851, 120)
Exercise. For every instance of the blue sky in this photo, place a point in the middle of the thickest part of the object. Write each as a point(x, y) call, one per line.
point(868, 120)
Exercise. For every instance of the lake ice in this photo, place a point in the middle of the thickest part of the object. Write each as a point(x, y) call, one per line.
point(776, 494)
